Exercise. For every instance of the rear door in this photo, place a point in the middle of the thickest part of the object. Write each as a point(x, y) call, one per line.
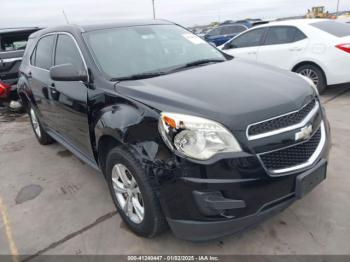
point(283, 46)
point(39, 75)
point(69, 98)
point(246, 44)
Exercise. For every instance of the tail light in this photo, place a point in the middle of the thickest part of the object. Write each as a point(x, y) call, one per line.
point(4, 89)
point(344, 47)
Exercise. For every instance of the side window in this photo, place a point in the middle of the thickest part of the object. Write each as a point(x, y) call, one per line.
point(280, 35)
point(43, 52)
point(235, 29)
point(215, 32)
point(248, 39)
point(299, 35)
point(67, 52)
point(224, 30)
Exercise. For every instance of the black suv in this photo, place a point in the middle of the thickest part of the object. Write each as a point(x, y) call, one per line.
point(185, 135)
point(12, 44)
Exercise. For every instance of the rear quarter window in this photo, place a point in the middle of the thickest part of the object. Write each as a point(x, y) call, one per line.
point(333, 28)
point(42, 55)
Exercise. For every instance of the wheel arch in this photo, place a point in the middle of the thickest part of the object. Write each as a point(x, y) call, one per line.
point(24, 92)
point(25, 100)
point(310, 63)
point(105, 144)
point(126, 125)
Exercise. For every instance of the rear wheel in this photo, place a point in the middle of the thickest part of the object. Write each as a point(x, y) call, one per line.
point(41, 135)
point(133, 193)
point(315, 74)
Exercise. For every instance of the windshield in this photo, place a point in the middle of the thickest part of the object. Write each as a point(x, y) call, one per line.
point(128, 51)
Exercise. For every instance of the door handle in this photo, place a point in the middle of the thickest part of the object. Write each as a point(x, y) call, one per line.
point(296, 49)
point(252, 53)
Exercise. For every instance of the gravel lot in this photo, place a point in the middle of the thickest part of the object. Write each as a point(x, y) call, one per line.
point(55, 204)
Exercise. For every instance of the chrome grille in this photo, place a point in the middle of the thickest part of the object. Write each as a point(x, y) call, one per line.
point(291, 156)
point(281, 121)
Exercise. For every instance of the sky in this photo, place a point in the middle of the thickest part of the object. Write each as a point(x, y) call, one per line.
point(186, 12)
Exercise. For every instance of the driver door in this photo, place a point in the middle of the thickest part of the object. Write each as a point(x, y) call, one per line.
point(69, 98)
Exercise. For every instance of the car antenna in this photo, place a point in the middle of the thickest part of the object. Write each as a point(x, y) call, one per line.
point(65, 17)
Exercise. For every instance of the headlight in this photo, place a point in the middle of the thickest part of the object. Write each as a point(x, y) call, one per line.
point(310, 82)
point(196, 137)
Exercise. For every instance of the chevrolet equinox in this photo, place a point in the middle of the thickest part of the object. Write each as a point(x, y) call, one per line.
point(185, 135)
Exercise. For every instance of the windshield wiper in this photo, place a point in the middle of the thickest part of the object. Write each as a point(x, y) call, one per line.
point(154, 74)
point(197, 63)
point(138, 76)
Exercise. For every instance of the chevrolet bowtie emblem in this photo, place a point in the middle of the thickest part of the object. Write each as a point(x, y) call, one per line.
point(304, 133)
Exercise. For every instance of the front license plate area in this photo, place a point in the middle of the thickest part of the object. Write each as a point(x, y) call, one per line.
point(309, 180)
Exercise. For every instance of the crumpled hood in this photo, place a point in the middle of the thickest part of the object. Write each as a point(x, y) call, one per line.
point(235, 93)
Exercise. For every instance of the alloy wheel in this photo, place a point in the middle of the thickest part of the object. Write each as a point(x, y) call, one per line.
point(35, 123)
point(310, 74)
point(128, 193)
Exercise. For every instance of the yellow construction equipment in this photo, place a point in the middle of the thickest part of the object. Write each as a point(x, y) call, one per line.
point(317, 12)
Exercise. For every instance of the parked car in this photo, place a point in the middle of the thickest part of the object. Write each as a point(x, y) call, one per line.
point(223, 33)
point(184, 134)
point(12, 44)
point(5, 89)
point(316, 48)
point(253, 22)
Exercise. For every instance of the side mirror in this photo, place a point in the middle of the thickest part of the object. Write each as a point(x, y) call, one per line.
point(228, 46)
point(67, 72)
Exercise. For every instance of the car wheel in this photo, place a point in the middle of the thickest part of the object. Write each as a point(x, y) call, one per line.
point(315, 74)
point(41, 135)
point(134, 193)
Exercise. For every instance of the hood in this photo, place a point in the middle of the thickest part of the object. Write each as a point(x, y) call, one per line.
point(235, 93)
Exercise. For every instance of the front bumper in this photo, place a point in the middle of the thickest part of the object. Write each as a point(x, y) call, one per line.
point(202, 231)
point(206, 230)
point(244, 194)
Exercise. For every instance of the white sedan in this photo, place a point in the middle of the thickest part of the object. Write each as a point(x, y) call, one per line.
point(316, 48)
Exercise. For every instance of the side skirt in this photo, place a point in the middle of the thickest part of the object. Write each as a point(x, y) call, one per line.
point(73, 149)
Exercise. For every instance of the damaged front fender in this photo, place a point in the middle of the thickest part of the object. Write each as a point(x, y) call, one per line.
point(136, 127)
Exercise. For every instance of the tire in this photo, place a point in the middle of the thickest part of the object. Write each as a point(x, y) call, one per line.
point(40, 134)
point(315, 74)
point(120, 162)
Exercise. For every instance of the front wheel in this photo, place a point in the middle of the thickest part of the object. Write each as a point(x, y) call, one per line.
point(315, 74)
point(134, 194)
